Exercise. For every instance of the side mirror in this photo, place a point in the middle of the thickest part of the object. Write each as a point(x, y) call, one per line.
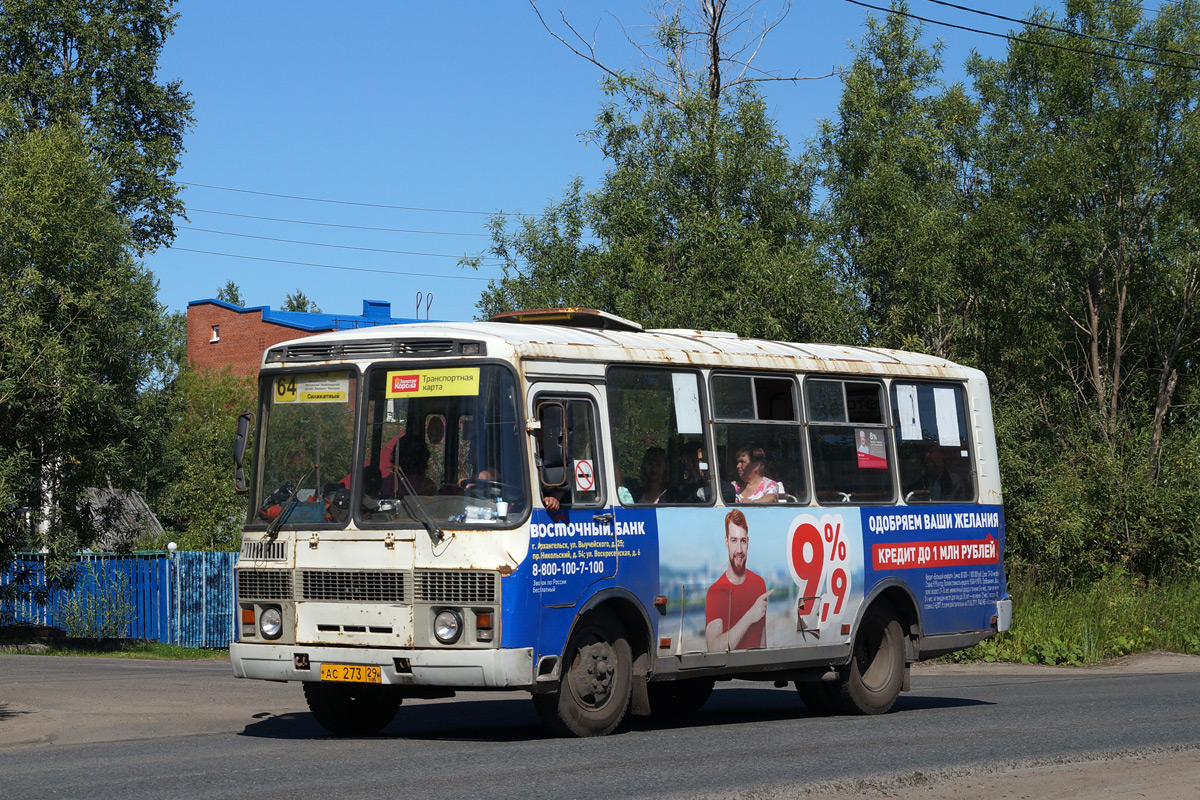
point(553, 452)
point(239, 450)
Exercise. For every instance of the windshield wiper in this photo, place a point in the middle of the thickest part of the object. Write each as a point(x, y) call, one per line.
point(433, 530)
point(289, 505)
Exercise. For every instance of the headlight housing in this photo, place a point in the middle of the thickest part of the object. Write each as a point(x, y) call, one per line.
point(447, 626)
point(270, 623)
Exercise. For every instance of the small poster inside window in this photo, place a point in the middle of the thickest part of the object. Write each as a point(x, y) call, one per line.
point(871, 447)
point(687, 403)
point(585, 476)
point(947, 417)
point(909, 413)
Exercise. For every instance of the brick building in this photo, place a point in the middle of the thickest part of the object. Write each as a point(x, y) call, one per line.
point(220, 333)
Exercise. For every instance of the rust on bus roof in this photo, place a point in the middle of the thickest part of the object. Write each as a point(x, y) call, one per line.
point(568, 340)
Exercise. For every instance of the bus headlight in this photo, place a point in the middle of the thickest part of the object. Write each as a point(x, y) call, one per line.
point(447, 626)
point(270, 622)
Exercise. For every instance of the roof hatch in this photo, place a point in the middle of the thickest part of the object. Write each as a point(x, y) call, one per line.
point(570, 318)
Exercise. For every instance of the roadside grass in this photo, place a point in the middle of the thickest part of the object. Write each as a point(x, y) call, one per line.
point(1051, 625)
point(150, 650)
point(1115, 617)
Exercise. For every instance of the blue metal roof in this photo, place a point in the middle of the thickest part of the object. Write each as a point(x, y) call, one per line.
point(375, 312)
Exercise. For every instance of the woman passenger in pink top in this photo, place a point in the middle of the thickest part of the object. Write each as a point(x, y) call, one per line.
point(753, 486)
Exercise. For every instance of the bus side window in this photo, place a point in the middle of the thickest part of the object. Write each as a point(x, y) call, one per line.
point(851, 453)
point(931, 442)
point(660, 452)
point(758, 416)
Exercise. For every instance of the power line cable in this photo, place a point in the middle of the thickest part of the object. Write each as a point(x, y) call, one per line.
point(1012, 38)
point(1067, 31)
point(316, 244)
point(352, 202)
point(332, 224)
point(331, 266)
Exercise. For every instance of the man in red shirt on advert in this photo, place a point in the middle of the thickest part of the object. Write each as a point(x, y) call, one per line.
point(735, 607)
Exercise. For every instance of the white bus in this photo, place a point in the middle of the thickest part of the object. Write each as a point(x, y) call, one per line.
point(610, 518)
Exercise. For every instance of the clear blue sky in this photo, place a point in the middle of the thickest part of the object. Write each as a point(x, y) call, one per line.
point(464, 107)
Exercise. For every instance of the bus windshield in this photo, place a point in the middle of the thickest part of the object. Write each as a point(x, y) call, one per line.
point(442, 442)
point(308, 438)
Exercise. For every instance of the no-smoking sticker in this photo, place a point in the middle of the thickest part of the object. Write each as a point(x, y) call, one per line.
point(585, 477)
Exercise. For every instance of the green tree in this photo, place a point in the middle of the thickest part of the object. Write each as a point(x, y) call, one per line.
point(80, 333)
point(231, 293)
point(197, 505)
point(96, 61)
point(897, 166)
point(299, 301)
point(702, 220)
point(1089, 144)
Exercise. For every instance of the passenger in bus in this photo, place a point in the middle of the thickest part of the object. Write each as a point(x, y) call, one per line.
point(624, 492)
point(945, 484)
point(554, 498)
point(753, 486)
point(654, 475)
point(696, 487)
point(735, 607)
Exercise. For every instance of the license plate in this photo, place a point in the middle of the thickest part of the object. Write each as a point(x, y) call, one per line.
point(349, 672)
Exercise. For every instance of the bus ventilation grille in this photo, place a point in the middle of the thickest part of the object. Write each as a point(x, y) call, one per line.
point(354, 586)
point(264, 584)
point(264, 551)
point(456, 586)
point(371, 348)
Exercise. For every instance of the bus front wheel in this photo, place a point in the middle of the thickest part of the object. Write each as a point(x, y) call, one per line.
point(872, 681)
point(594, 687)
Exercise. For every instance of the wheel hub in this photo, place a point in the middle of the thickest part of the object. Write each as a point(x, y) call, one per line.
point(591, 676)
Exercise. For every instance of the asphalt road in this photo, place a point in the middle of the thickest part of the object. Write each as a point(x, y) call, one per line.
point(86, 727)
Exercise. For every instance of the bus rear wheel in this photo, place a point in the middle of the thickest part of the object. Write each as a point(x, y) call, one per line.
point(872, 681)
point(594, 688)
point(821, 698)
point(352, 709)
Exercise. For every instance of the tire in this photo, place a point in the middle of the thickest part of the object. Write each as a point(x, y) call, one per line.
point(871, 682)
point(352, 709)
point(594, 688)
point(821, 698)
point(679, 698)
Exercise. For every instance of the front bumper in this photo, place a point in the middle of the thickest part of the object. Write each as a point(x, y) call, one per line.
point(451, 669)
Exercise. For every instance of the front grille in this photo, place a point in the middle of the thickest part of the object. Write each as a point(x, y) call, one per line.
point(264, 584)
point(456, 586)
point(355, 586)
point(264, 550)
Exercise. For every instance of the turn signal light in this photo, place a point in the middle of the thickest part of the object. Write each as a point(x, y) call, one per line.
point(483, 626)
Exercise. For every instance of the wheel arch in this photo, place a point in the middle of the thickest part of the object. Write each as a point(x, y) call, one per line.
point(625, 606)
point(897, 594)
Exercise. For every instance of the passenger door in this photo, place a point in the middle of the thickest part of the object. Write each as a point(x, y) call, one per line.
point(574, 546)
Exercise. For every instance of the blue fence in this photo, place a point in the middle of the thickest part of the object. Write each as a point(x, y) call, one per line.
point(185, 598)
